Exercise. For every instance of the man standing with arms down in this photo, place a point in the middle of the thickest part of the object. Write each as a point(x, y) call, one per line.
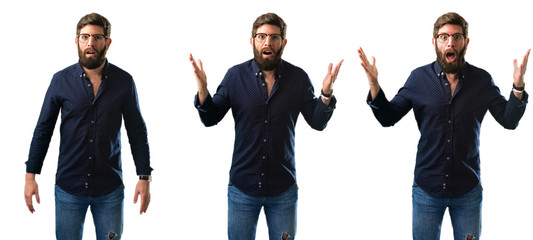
point(449, 98)
point(93, 96)
point(266, 96)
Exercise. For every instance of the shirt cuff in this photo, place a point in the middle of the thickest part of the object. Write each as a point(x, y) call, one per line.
point(520, 103)
point(331, 106)
point(204, 106)
point(376, 102)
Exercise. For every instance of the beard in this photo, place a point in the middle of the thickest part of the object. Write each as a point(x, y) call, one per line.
point(267, 64)
point(453, 67)
point(92, 62)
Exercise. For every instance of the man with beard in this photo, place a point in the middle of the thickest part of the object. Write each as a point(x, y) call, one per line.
point(266, 95)
point(449, 98)
point(93, 96)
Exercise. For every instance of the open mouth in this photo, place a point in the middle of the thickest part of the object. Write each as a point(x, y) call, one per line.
point(267, 52)
point(450, 56)
point(90, 53)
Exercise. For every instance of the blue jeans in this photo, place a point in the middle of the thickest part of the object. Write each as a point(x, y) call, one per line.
point(107, 214)
point(280, 213)
point(465, 214)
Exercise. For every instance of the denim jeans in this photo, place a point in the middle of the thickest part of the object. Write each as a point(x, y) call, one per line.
point(107, 213)
point(465, 214)
point(280, 213)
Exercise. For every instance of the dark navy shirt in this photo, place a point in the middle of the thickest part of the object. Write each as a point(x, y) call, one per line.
point(89, 154)
point(263, 155)
point(447, 160)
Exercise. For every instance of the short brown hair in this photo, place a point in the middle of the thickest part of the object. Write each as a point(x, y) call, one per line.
point(272, 19)
point(94, 19)
point(450, 18)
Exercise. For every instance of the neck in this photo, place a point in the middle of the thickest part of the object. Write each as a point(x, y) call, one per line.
point(268, 73)
point(452, 76)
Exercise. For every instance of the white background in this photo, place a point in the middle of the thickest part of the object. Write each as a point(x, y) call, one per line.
point(355, 177)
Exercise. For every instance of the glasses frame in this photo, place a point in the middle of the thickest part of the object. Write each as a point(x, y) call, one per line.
point(266, 36)
point(456, 37)
point(93, 36)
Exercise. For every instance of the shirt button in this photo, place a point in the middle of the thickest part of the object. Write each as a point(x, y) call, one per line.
point(449, 140)
point(264, 157)
point(446, 84)
point(90, 158)
point(88, 175)
point(447, 175)
point(263, 84)
point(447, 158)
point(264, 140)
point(92, 122)
point(262, 174)
point(449, 121)
point(266, 121)
point(90, 140)
point(88, 85)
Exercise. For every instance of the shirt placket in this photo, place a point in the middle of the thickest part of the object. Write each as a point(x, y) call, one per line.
point(448, 152)
point(263, 158)
point(91, 138)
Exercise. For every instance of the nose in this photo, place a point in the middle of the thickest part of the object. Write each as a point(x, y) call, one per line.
point(451, 42)
point(268, 41)
point(90, 41)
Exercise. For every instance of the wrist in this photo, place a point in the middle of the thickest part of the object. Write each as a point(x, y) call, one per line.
point(518, 88)
point(325, 95)
point(147, 178)
point(30, 176)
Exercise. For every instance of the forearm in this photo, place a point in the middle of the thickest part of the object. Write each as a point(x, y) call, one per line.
point(202, 95)
point(374, 89)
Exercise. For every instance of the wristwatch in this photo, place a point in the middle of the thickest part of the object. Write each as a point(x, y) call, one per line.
point(325, 96)
point(145, 177)
point(518, 89)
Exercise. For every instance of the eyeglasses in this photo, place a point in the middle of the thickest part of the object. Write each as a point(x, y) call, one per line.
point(444, 37)
point(261, 37)
point(98, 38)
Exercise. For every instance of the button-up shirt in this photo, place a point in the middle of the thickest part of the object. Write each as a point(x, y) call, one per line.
point(447, 160)
point(89, 154)
point(263, 157)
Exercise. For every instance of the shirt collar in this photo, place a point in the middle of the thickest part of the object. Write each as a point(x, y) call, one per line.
point(462, 73)
point(105, 72)
point(279, 71)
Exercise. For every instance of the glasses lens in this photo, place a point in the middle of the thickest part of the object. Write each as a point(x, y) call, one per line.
point(260, 37)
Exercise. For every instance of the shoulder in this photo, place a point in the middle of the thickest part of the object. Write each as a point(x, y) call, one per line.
point(295, 73)
point(430, 68)
point(72, 70)
point(113, 70)
point(476, 72)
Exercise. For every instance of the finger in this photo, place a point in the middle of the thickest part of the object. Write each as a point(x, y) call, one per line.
point(29, 203)
point(37, 198)
point(330, 66)
point(135, 197)
point(193, 62)
point(337, 69)
point(362, 55)
point(201, 64)
point(524, 62)
point(145, 201)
